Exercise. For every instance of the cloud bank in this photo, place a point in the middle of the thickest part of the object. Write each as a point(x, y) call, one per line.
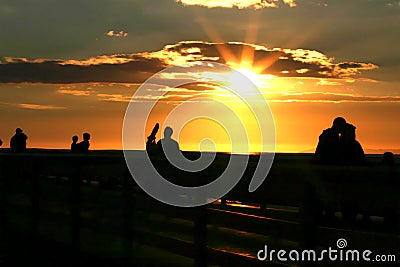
point(137, 67)
point(255, 4)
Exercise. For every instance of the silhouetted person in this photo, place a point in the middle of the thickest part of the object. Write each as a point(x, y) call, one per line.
point(351, 151)
point(388, 159)
point(167, 145)
point(1, 142)
point(151, 146)
point(74, 144)
point(327, 151)
point(83, 146)
point(338, 145)
point(18, 141)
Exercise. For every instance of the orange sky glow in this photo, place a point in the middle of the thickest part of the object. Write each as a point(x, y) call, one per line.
point(308, 73)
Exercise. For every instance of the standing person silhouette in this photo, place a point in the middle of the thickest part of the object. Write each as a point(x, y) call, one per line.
point(74, 144)
point(351, 151)
point(18, 141)
point(1, 142)
point(327, 151)
point(168, 146)
point(83, 146)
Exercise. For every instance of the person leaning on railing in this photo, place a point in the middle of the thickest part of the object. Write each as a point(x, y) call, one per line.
point(18, 141)
point(83, 147)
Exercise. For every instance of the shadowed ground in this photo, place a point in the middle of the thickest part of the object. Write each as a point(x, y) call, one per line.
point(103, 218)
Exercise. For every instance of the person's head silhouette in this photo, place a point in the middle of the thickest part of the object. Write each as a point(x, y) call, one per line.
point(74, 138)
point(86, 136)
point(338, 124)
point(18, 130)
point(339, 121)
point(168, 132)
point(349, 132)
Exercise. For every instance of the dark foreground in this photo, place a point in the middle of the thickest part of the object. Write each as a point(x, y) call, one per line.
point(59, 209)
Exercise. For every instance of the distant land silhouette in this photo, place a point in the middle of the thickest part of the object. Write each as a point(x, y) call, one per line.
point(367, 150)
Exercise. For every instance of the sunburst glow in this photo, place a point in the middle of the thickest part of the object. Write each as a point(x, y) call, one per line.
point(246, 68)
point(251, 75)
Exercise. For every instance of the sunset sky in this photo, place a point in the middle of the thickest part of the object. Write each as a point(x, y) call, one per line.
point(68, 67)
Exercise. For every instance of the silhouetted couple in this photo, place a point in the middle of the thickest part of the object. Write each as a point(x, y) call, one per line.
point(338, 145)
point(18, 141)
point(81, 147)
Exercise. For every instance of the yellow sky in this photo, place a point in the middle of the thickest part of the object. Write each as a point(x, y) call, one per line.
point(299, 119)
point(305, 90)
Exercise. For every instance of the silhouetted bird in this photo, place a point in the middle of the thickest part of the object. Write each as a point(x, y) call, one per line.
point(74, 144)
point(84, 145)
point(18, 141)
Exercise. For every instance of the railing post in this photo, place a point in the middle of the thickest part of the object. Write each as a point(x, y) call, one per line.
point(3, 201)
point(127, 219)
point(34, 173)
point(200, 236)
point(310, 214)
point(223, 201)
point(75, 205)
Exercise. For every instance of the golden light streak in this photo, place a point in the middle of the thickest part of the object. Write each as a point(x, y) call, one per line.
point(38, 107)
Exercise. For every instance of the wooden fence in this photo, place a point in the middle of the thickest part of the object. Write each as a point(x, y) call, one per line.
point(91, 203)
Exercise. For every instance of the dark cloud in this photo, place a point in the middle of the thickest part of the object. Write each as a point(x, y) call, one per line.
point(135, 68)
point(134, 71)
point(364, 31)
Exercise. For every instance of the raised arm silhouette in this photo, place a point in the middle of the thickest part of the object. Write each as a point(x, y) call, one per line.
point(151, 146)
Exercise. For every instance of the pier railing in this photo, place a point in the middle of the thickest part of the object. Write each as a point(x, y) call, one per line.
point(91, 203)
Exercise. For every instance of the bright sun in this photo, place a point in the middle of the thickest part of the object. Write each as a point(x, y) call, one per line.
point(250, 74)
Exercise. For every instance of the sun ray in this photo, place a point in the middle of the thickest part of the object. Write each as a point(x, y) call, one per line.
point(251, 38)
point(214, 36)
point(245, 62)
